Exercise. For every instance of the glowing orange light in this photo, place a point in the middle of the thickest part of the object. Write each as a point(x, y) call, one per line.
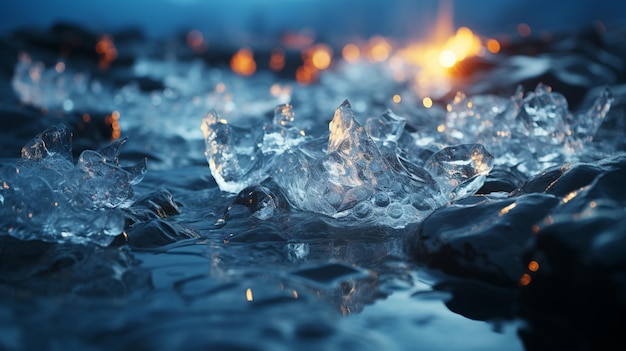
point(493, 46)
point(351, 53)
point(441, 128)
point(533, 266)
point(321, 56)
point(447, 58)
point(427, 102)
point(380, 49)
point(107, 51)
point(115, 125)
point(523, 29)
point(243, 62)
point(397, 98)
point(524, 280)
point(249, 295)
point(195, 40)
point(305, 75)
point(277, 59)
point(86, 118)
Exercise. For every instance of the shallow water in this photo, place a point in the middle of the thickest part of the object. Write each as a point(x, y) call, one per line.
point(461, 279)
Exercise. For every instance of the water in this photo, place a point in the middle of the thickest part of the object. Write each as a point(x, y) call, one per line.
point(255, 214)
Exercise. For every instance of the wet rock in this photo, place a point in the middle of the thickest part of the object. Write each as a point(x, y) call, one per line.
point(156, 233)
point(575, 281)
point(482, 241)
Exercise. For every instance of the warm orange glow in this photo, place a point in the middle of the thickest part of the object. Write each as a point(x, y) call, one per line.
point(277, 60)
point(447, 58)
point(493, 46)
point(86, 118)
point(441, 128)
point(535, 229)
point(379, 49)
point(115, 125)
point(321, 56)
point(523, 29)
point(351, 53)
point(436, 57)
point(249, 295)
point(196, 42)
point(524, 280)
point(569, 196)
point(507, 209)
point(533, 266)
point(397, 98)
point(107, 51)
point(427, 102)
point(243, 62)
point(305, 75)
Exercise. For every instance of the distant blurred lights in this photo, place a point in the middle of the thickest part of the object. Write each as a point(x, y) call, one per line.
point(447, 58)
point(397, 98)
point(277, 59)
point(428, 103)
point(196, 41)
point(533, 266)
point(523, 29)
point(243, 62)
point(351, 53)
point(59, 67)
point(380, 49)
point(249, 296)
point(493, 46)
point(525, 279)
point(321, 56)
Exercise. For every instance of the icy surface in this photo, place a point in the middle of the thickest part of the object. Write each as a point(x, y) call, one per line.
point(532, 132)
point(348, 177)
point(45, 196)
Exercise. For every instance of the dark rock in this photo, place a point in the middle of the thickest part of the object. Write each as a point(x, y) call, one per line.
point(483, 241)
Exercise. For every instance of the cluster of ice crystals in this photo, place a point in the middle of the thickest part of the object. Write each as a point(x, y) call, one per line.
point(347, 174)
point(532, 132)
point(45, 196)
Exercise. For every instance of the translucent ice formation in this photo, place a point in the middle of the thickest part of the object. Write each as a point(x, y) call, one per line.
point(45, 196)
point(533, 132)
point(347, 174)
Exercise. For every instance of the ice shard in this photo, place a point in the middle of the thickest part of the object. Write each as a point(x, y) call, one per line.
point(46, 197)
point(346, 175)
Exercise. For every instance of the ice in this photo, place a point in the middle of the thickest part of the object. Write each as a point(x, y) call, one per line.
point(345, 175)
point(45, 196)
point(460, 169)
point(531, 132)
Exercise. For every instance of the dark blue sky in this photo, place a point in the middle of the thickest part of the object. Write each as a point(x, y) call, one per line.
point(237, 18)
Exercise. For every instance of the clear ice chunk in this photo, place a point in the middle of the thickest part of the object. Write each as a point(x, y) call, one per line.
point(346, 175)
point(46, 197)
point(460, 169)
point(233, 155)
point(386, 127)
point(531, 133)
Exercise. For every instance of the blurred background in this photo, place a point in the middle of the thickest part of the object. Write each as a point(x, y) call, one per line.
point(241, 21)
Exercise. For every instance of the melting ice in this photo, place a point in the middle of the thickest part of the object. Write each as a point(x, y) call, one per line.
point(46, 196)
point(372, 174)
point(375, 172)
point(344, 174)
